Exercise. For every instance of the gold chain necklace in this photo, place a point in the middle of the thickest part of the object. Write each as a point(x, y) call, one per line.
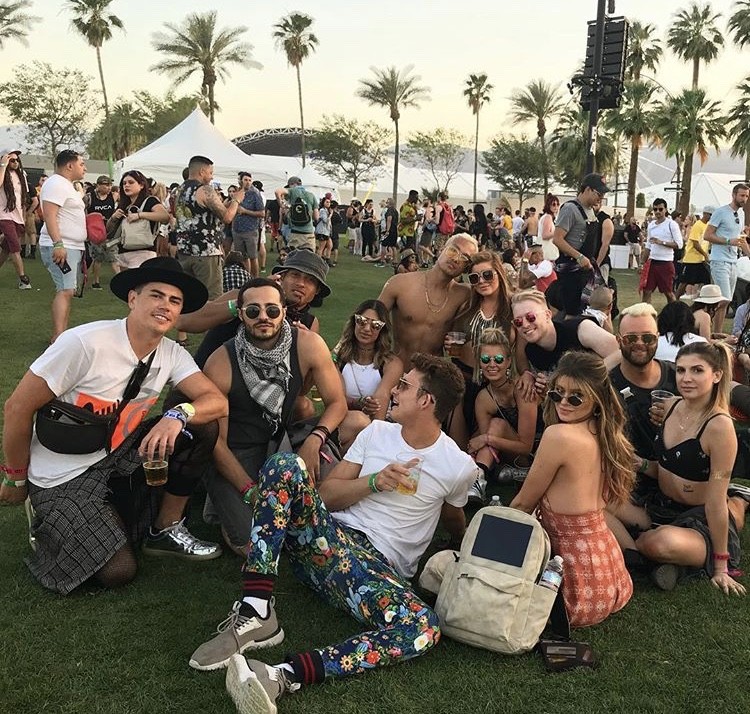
point(430, 304)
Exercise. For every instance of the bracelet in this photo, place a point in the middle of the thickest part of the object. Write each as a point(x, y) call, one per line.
point(232, 306)
point(14, 472)
point(579, 257)
point(721, 556)
point(643, 467)
point(175, 414)
point(371, 482)
point(58, 244)
point(320, 436)
point(729, 241)
point(14, 484)
point(324, 429)
point(249, 493)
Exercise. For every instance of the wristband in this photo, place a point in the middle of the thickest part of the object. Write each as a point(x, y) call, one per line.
point(320, 436)
point(14, 472)
point(729, 241)
point(175, 414)
point(232, 307)
point(58, 244)
point(721, 556)
point(579, 257)
point(324, 429)
point(14, 484)
point(371, 482)
point(643, 467)
point(249, 492)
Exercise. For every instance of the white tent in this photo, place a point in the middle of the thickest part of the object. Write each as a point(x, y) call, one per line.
point(707, 189)
point(165, 158)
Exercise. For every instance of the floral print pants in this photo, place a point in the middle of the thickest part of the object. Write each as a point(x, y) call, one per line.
point(342, 566)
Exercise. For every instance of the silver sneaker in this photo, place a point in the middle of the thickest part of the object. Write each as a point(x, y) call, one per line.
point(478, 492)
point(30, 516)
point(177, 541)
point(235, 635)
point(255, 687)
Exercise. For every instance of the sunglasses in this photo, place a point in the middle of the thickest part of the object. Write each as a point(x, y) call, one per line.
point(648, 338)
point(575, 400)
point(17, 160)
point(485, 275)
point(497, 359)
point(530, 317)
point(659, 208)
point(363, 321)
point(736, 217)
point(253, 311)
point(453, 252)
point(403, 384)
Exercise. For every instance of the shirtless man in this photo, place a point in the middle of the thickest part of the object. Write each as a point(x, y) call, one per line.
point(424, 305)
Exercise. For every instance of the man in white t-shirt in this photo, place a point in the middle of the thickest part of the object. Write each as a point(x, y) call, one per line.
point(356, 542)
point(88, 491)
point(63, 235)
point(662, 238)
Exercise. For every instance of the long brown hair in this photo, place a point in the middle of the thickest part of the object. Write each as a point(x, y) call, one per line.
point(346, 349)
point(718, 358)
point(503, 313)
point(590, 374)
point(143, 194)
point(9, 189)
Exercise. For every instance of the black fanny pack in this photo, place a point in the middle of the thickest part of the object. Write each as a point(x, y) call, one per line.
point(67, 429)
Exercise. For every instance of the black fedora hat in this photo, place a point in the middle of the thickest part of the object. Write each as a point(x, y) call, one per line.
point(161, 270)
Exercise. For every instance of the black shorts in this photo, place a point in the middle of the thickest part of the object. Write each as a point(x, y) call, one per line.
point(695, 274)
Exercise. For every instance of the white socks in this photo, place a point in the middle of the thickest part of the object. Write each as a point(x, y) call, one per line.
point(258, 604)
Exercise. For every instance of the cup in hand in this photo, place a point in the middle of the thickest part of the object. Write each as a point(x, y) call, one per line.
point(657, 411)
point(454, 341)
point(413, 462)
point(660, 395)
point(155, 470)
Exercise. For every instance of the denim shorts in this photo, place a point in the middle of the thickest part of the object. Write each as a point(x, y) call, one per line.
point(724, 275)
point(63, 281)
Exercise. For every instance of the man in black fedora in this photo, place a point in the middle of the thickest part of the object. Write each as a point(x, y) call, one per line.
point(91, 501)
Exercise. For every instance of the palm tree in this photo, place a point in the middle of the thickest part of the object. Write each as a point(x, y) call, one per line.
point(739, 23)
point(694, 36)
point(739, 125)
point(568, 146)
point(633, 121)
point(15, 22)
point(293, 35)
point(477, 93)
point(689, 124)
point(396, 90)
point(198, 46)
point(644, 50)
point(93, 21)
point(538, 102)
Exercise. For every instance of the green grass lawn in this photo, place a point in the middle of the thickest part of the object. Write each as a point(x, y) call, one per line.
point(126, 652)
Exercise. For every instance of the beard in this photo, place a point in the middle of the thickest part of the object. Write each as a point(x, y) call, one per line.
point(639, 359)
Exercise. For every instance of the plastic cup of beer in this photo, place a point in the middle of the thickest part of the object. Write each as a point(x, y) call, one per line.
point(454, 341)
point(413, 462)
point(660, 395)
point(155, 470)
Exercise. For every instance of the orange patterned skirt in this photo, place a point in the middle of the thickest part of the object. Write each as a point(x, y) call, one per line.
point(595, 581)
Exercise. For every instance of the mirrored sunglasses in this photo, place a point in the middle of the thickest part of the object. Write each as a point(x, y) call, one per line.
point(497, 359)
point(362, 321)
point(486, 275)
point(253, 311)
point(530, 317)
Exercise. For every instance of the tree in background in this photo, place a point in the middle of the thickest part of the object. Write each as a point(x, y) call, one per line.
point(694, 36)
point(395, 90)
point(568, 148)
point(198, 46)
point(293, 35)
point(442, 150)
point(633, 121)
point(477, 92)
point(93, 21)
point(137, 121)
point(57, 113)
point(516, 164)
point(739, 23)
point(644, 50)
point(684, 126)
point(349, 151)
point(538, 102)
point(738, 131)
point(15, 22)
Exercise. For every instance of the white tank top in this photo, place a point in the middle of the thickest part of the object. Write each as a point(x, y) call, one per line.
point(360, 380)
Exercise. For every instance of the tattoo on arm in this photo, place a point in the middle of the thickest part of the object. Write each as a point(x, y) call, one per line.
point(721, 475)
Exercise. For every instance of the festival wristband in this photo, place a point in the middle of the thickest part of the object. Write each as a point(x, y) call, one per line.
point(232, 306)
point(643, 467)
point(249, 492)
point(371, 482)
point(721, 556)
point(175, 414)
point(14, 472)
point(320, 436)
point(13, 484)
point(58, 244)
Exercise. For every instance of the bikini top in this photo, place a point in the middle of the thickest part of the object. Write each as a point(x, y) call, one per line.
point(686, 459)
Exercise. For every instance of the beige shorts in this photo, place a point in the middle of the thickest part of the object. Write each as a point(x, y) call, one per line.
point(302, 240)
point(207, 269)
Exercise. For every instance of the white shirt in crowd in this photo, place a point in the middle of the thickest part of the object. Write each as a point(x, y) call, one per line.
point(667, 231)
point(667, 352)
point(71, 217)
point(401, 526)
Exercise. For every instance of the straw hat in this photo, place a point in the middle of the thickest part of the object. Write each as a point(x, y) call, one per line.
point(709, 295)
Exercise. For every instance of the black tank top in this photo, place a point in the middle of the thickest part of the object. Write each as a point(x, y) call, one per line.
point(247, 427)
point(567, 340)
point(105, 206)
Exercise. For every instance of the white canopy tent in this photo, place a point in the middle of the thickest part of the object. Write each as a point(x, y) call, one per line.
point(707, 189)
point(165, 158)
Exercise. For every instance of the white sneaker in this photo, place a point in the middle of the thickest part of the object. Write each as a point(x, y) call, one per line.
point(478, 492)
point(256, 687)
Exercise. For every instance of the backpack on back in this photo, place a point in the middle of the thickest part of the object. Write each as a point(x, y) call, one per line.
point(299, 213)
point(491, 597)
point(447, 221)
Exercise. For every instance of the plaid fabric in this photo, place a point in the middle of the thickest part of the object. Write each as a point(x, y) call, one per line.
point(235, 276)
point(76, 531)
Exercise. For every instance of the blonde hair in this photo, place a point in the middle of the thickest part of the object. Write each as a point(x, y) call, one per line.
point(531, 294)
point(589, 372)
point(463, 236)
point(640, 309)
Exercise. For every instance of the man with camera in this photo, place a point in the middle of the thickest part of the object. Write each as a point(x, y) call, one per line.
point(80, 461)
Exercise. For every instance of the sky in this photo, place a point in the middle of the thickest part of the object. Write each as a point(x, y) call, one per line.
point(513, 43)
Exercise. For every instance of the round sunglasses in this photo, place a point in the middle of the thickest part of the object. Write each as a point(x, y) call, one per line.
point(253, 311)
point(485, 275)
point(497, 359)
point(530, 317)
point(362, 321)
point(575, 400)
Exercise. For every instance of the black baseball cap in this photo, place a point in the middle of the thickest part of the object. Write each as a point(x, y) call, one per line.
point(596, 182)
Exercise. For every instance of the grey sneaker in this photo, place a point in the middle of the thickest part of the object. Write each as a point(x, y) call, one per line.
point(665, 576)
point(24, 283)
point(255, 687)
point(478, 492)
point(236, 634)
point(179, 542)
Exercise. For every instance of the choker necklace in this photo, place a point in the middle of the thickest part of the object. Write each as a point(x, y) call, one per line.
point(431, 305)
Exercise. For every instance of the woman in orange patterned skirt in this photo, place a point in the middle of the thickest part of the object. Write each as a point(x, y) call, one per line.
point(583, 463)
